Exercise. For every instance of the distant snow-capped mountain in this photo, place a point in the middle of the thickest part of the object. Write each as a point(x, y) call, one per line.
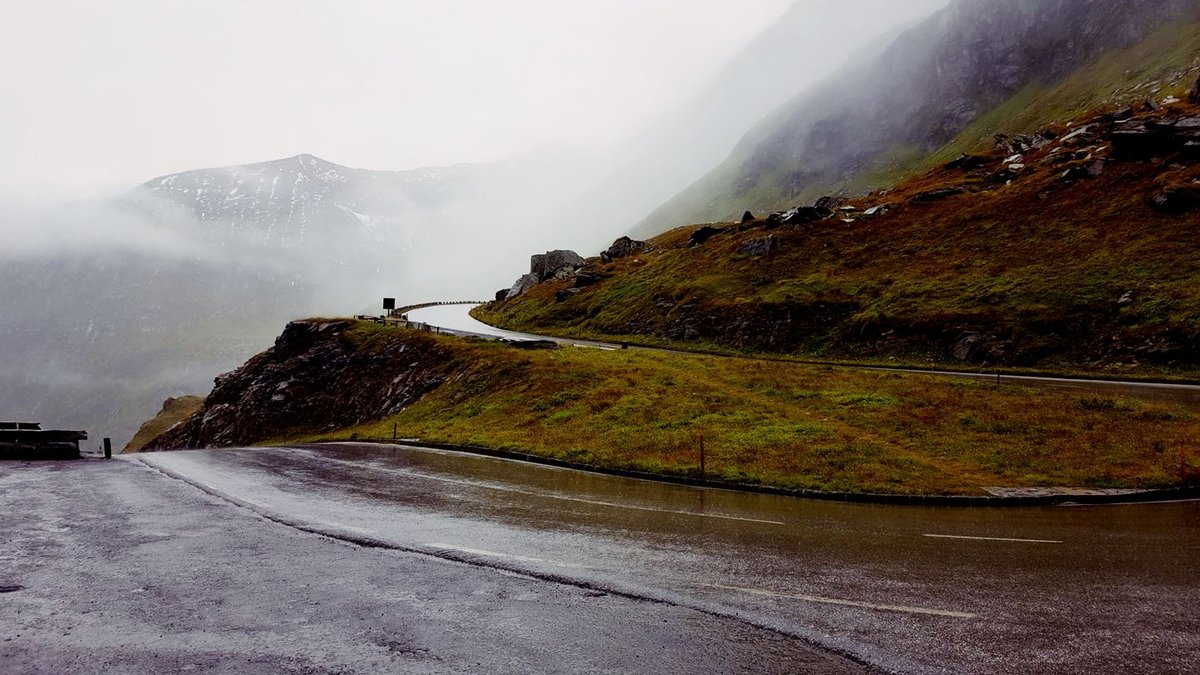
point(304, 200)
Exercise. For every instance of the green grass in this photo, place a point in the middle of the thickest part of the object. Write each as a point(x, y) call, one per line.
point(786, 425)
point(1038, 267)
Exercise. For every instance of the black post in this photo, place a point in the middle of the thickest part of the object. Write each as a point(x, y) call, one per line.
point(108, 448)
point(394, 431)
point(702, 458)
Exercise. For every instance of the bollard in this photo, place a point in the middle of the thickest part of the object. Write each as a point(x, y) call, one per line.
point(702, 458)
point(394, 431)
point(108, 448)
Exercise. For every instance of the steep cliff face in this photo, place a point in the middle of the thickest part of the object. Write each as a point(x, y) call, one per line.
point(320, 375)
point(890, 110)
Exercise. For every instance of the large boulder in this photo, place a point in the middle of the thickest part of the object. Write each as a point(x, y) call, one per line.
point(757, 247)
point(523, 285)
point(555, 264)
point(623, 248)
point(703, 234)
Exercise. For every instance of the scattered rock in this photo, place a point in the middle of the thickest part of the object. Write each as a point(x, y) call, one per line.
point(567, 293)
point(502, 294)
point(703, 234)
point(760, 246)
point(877, 210)
point(1194, 94)
point(968, 162)
point(802, 215)
point(585, 279)
point(1177, 199)
point(966, 345)
point(622, 248)
point(829, 204)
point(1126, 299)
point(939, 194)
point(1080, 170)
point(1080, 134)
point(1013, 144)
point(748, 217)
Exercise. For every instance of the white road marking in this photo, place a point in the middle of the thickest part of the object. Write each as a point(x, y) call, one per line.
point(510, 556)
point(1010, 539)
point(545, 495)
point(847, 603)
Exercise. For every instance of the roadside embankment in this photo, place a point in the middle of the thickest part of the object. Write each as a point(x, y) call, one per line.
point(788, 426)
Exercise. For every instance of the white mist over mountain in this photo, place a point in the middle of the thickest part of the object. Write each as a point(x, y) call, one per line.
point(301, 157)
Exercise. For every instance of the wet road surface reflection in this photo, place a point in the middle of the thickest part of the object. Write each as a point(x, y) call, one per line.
point(906, 588)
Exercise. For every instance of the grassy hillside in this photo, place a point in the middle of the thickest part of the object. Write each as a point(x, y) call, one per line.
point(1044, 266)
point(174, 411)
point(786, 425)
point(757, 178)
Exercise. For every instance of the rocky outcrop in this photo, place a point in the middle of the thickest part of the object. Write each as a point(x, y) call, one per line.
point(1194, 94)
point(555, 264)
point(545, 267)
point(317, 377)
point(1153, 138)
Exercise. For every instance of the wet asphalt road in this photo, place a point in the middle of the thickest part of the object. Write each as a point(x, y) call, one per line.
point(112, 567)
point(908, 589)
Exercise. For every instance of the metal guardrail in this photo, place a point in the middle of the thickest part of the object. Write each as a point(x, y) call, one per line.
point(401, 311)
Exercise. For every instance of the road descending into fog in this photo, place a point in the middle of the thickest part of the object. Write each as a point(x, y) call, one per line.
point(909, 589)
point(457, 319)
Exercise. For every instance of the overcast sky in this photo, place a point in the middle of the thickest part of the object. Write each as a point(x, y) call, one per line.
point(104, 94)
point(112, 92)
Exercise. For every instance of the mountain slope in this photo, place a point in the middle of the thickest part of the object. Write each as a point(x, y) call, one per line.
point(1078, 253)
point(977, 61)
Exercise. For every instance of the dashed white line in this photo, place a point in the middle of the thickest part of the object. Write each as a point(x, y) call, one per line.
point(847, 603)
point(1009, 539)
